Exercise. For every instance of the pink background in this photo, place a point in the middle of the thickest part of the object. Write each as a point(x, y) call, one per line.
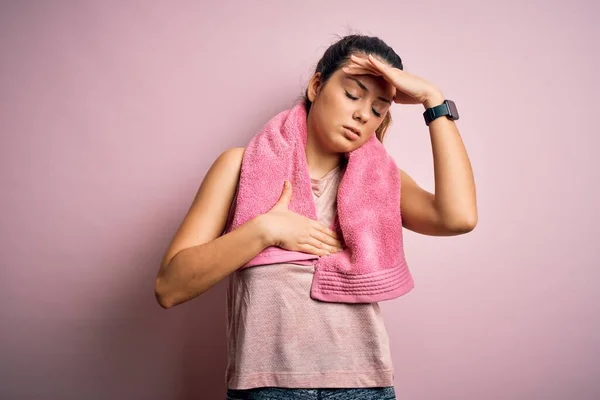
point(111, 113)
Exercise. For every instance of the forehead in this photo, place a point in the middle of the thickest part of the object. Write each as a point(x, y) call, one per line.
point(372, 82)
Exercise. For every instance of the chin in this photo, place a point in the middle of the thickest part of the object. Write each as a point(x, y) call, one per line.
point(339, 144)
point(346, 147)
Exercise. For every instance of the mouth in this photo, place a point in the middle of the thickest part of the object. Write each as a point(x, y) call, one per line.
point(356, 131)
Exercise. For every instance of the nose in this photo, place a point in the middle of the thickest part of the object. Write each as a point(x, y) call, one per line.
point(361, 115)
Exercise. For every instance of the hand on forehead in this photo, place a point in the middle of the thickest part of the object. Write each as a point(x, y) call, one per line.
point(375, 83)
point(360, 68)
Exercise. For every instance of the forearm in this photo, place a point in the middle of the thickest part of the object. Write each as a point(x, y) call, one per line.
point(455, 197)
point(196, 269)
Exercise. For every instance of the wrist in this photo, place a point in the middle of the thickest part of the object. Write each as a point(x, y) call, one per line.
point(264, 231)
point(434, 99)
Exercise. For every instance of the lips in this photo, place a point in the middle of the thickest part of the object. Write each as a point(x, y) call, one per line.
point(352, 129)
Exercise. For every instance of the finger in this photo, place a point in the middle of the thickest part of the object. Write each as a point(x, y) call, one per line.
point(305, 248)
point(359, 69)
point(372, 59)
point(333, 234)
point(317, 246)
point(326, 238)
point(378, 63)
point(335, 244)
point(363, 60)
point(322, 237)
point(367, 62)
point(325, 229)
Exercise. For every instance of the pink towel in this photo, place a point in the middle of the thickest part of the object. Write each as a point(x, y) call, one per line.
point(372, 266)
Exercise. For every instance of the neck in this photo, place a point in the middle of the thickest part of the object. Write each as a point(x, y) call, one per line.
point(319, 160)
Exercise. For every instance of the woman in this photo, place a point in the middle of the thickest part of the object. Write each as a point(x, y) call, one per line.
point(282, 344)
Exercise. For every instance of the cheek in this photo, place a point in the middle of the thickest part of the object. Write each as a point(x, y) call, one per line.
point(333, 111)
point(335, 100)
point(373, 127)
point(367, 137)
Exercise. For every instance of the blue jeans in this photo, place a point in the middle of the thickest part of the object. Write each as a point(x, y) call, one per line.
point(274, 393)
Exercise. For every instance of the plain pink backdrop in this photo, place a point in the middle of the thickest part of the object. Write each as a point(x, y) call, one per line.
point(112, 112)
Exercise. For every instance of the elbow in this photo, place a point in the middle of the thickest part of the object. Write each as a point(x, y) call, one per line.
point(463, 225)
point(161, 295)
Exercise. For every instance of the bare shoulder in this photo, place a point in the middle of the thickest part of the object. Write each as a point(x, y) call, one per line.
point(207, 215)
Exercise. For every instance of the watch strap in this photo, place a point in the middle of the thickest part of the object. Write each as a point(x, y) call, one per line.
point(435, 112)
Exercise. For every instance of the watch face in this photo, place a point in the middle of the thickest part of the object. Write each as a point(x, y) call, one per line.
point(452, 109)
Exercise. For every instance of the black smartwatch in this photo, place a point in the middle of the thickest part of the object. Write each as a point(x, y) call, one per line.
point(447, 108)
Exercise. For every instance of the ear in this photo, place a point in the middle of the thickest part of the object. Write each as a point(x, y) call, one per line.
point(314, 86)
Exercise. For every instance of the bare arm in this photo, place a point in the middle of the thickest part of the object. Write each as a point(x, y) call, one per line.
point(198, 256)
point(452, 210)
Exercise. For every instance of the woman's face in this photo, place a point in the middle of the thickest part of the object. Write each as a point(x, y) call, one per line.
point(358, 102)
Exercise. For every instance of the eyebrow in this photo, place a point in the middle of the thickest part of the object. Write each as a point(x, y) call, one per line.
point(365, 88)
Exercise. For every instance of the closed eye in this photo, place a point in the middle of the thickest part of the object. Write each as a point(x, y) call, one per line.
point(356, 98)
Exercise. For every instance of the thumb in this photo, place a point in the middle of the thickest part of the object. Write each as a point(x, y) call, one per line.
point(286, 194)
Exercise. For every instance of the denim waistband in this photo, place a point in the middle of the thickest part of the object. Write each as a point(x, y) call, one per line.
point(275, 393)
